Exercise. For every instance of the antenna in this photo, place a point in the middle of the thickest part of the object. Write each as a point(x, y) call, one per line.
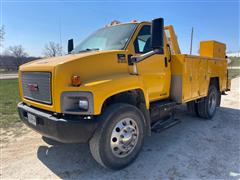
point(191, 41)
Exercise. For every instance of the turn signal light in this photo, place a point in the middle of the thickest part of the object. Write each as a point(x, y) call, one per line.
point(76, 81)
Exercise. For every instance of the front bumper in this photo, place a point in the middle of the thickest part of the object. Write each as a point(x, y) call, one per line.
point(67, 130)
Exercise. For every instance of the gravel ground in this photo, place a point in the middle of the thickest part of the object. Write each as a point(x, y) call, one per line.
point(193, 149)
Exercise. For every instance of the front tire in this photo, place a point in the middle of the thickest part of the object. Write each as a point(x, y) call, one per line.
point(119, 139)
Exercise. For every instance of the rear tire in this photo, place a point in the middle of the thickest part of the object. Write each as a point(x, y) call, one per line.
point(119, 139)
point(207, 107)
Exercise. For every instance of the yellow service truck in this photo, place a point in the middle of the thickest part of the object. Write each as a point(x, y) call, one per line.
point(112, 88)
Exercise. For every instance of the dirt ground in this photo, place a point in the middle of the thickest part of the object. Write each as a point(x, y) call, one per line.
point(193, 149)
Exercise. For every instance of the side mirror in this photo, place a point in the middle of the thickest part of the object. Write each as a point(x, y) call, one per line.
point(157, 34)
point(70, 45)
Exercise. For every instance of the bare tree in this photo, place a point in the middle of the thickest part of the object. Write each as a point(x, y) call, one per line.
point(52, 49)
point(2, 33)
point(17, 52)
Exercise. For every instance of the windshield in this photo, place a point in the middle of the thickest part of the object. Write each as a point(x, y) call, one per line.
point(108, 38)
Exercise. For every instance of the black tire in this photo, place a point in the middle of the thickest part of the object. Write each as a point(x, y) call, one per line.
point(207, 107)
point(192, 108)
point(101, 142)
point(50, 141)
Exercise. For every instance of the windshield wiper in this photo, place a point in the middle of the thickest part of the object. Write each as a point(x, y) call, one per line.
point(89, 49)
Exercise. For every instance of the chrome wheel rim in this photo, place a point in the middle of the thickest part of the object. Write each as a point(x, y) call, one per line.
point(212, 102)
point(124, 137)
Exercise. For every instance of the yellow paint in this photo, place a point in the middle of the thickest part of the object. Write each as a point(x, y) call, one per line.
point(212, 49)
point(173, 39)
point(102, 75)
point(196, 72)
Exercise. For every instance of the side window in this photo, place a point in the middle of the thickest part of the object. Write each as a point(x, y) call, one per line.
point(142, 43)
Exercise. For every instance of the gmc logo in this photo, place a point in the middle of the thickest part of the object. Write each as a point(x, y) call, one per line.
point(32, 87)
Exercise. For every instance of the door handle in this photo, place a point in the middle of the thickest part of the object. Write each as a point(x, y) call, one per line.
point(166, 61)
point(129, 57)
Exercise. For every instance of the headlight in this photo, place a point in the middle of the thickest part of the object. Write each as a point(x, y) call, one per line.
point(77, 103)
point(83, 104)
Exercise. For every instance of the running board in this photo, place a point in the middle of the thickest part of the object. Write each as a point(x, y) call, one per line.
point(159, 126)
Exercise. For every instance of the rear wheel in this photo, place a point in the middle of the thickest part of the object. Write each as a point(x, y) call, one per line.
point(207, 107)
point(118, 141)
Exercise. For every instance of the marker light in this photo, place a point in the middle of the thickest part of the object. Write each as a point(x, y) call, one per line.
point(114, 22)
point(134, 21)
point(76, 81)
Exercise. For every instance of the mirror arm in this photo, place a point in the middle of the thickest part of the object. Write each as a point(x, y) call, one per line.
point(136, 59)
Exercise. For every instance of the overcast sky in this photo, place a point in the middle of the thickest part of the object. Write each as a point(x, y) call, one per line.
point(34, 23)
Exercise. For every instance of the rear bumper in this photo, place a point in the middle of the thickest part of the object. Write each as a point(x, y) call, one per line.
point(71, 130)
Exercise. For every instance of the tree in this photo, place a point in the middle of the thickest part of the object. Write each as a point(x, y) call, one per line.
point(52, 49)
point(17, 52)
point(2, 33)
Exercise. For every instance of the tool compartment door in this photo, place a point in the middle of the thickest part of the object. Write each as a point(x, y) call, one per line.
point(195, 77)
point(203, 77)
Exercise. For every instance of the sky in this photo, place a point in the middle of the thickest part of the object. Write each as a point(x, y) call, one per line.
point(33, 23)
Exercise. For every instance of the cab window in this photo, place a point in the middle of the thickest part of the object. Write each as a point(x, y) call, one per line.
point(142, 43)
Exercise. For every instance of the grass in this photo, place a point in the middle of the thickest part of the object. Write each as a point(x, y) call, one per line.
point(8, 103)
point(235, 62)
point(232, 73)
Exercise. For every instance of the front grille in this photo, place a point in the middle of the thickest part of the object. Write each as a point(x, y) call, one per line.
point(37, 86)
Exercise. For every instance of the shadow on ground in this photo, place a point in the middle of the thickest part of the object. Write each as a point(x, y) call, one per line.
point(195, 148)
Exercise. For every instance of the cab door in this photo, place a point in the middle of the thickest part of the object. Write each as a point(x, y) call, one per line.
point(155, 70)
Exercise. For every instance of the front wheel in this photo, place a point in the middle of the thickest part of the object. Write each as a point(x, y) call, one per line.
point(118, 141)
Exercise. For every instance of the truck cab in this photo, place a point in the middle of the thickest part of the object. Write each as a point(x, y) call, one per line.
point(112, 88)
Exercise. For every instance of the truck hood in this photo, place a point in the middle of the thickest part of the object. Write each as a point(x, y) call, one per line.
point(88, 65)
point(48, 64)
